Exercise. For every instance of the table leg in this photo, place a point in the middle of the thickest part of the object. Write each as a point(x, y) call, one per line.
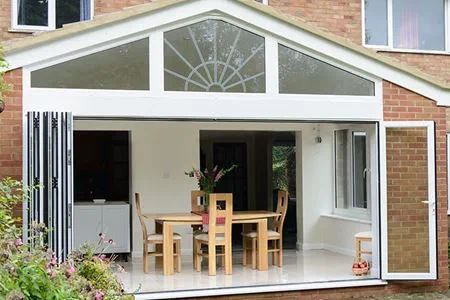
point(263, 264)
point(168, 248)
point(158, 248)
point(247, 228)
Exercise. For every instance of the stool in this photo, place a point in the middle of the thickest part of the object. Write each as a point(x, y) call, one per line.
point(362, 237)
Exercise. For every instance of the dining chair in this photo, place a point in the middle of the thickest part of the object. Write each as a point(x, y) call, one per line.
point(219, 234)
point(196, 229)
point(275, 235)
point(155, 239)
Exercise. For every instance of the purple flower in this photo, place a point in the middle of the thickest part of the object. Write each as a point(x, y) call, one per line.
point(102, 257)
point(99, 295)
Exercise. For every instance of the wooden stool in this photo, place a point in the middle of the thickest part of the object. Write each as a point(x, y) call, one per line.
point(362, 237)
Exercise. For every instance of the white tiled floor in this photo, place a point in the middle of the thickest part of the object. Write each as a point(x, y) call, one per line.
point(299, 267)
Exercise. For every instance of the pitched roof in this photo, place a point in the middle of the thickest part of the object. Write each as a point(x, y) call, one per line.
point(18, 45)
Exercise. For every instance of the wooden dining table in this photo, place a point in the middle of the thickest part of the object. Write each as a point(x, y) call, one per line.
point(164, 223)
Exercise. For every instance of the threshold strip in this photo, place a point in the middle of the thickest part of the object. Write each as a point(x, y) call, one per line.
point(258, 289)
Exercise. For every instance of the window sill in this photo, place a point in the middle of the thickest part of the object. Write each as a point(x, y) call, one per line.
point(345, 218)
point(23, 30)
point(408, 51)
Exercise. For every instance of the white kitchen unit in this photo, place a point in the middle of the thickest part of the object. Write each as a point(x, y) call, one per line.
point(109, 218)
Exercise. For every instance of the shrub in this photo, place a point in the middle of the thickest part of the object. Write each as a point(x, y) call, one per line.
point(31, 271)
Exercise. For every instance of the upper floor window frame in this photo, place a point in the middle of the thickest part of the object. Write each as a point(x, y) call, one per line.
point(51, 17)
point(390, 32)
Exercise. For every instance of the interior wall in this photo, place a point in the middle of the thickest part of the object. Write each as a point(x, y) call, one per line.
point(162, 151)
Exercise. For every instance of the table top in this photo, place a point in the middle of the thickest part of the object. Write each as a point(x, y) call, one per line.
point(191, 217)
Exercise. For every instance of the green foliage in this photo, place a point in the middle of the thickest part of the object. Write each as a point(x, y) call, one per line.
point(3, 66)
point(31, 271)
point(281, 156)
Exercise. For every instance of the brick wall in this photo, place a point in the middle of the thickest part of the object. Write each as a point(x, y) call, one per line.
point(342, 18)
point(11, 128)
point(407, 188)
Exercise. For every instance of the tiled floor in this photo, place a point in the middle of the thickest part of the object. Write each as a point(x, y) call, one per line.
point(299, 267)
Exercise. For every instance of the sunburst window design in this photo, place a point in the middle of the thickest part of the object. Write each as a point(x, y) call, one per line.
point(214, 56)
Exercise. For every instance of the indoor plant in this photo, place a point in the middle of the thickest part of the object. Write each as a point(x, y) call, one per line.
point(207, 180)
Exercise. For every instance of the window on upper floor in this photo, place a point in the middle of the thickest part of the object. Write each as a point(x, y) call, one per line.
point(49, 14)
point(405, 24)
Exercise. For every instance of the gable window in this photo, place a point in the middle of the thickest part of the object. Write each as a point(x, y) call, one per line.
point(351, 169)
point(302, 74)
point(125, 67)
point(49, 14)
point(405, 24)
point(214, 56)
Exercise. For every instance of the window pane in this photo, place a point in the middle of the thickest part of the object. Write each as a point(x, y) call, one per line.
point(375, 12)
point(67, 11)
point(214, 56)
point(125, 67)
point(32, 12)
point(419, 24)
point(302, 74)
point(359, 170)
point(341, 168)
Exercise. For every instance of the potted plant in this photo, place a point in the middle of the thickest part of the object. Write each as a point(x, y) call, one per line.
point(207, 180)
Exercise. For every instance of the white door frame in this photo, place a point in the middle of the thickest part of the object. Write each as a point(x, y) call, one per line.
point(432, 274)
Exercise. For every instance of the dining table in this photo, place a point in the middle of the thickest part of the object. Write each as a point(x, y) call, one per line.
point(164, 223)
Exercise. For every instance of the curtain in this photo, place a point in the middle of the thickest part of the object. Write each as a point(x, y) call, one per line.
point(408, 26)
point(85, 10)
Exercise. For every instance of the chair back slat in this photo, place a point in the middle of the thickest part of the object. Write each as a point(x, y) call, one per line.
point(216, 209)
point(141, 217)
point(283, 199)
point(195, 195)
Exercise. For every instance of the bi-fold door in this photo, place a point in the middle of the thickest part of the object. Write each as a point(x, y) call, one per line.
point(48, 167)
point(408, 200)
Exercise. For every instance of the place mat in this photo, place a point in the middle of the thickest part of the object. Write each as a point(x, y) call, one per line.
point(205, 220)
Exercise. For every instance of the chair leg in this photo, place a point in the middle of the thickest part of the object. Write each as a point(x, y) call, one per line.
point(198, 255)
point(145, 257)
point(194, 253)
point(275, 259)
point(244, 252)
point(178, 252)
point(227, 259)
point(254, 250)
point(280, 253)
point(358, 249)
point(223, 257)
point(212, 259)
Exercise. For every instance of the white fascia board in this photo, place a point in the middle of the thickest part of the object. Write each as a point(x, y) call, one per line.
point(284, 32)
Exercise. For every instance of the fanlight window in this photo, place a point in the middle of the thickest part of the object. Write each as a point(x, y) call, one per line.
point(125, 67)
point(303, 74)
point(214, 56)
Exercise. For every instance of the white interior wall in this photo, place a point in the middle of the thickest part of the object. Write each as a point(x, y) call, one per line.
point(162, 151)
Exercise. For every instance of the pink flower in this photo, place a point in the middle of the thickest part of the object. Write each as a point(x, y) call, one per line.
point(70, 271)
point(99, 295)
point(18, 242)
point(101, 235)
point(102, 257)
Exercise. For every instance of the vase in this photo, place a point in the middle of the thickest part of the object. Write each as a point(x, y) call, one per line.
point(206, 202)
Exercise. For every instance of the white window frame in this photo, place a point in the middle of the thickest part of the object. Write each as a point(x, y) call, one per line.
point(432, 274)
point(352, 211)
point(390, 45)
point(51, 17)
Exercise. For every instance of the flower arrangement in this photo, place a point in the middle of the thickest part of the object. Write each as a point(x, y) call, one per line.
point(207, 180)
point(31, 271)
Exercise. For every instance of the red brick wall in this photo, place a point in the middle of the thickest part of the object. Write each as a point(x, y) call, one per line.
point(342, 18)
point(106, 6)
point(11, 128)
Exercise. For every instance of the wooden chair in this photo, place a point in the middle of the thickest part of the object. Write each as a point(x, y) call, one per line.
point(156, 239)
point(218, 235)
point(275, 235)
point(196, 229)
point(359, 238)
